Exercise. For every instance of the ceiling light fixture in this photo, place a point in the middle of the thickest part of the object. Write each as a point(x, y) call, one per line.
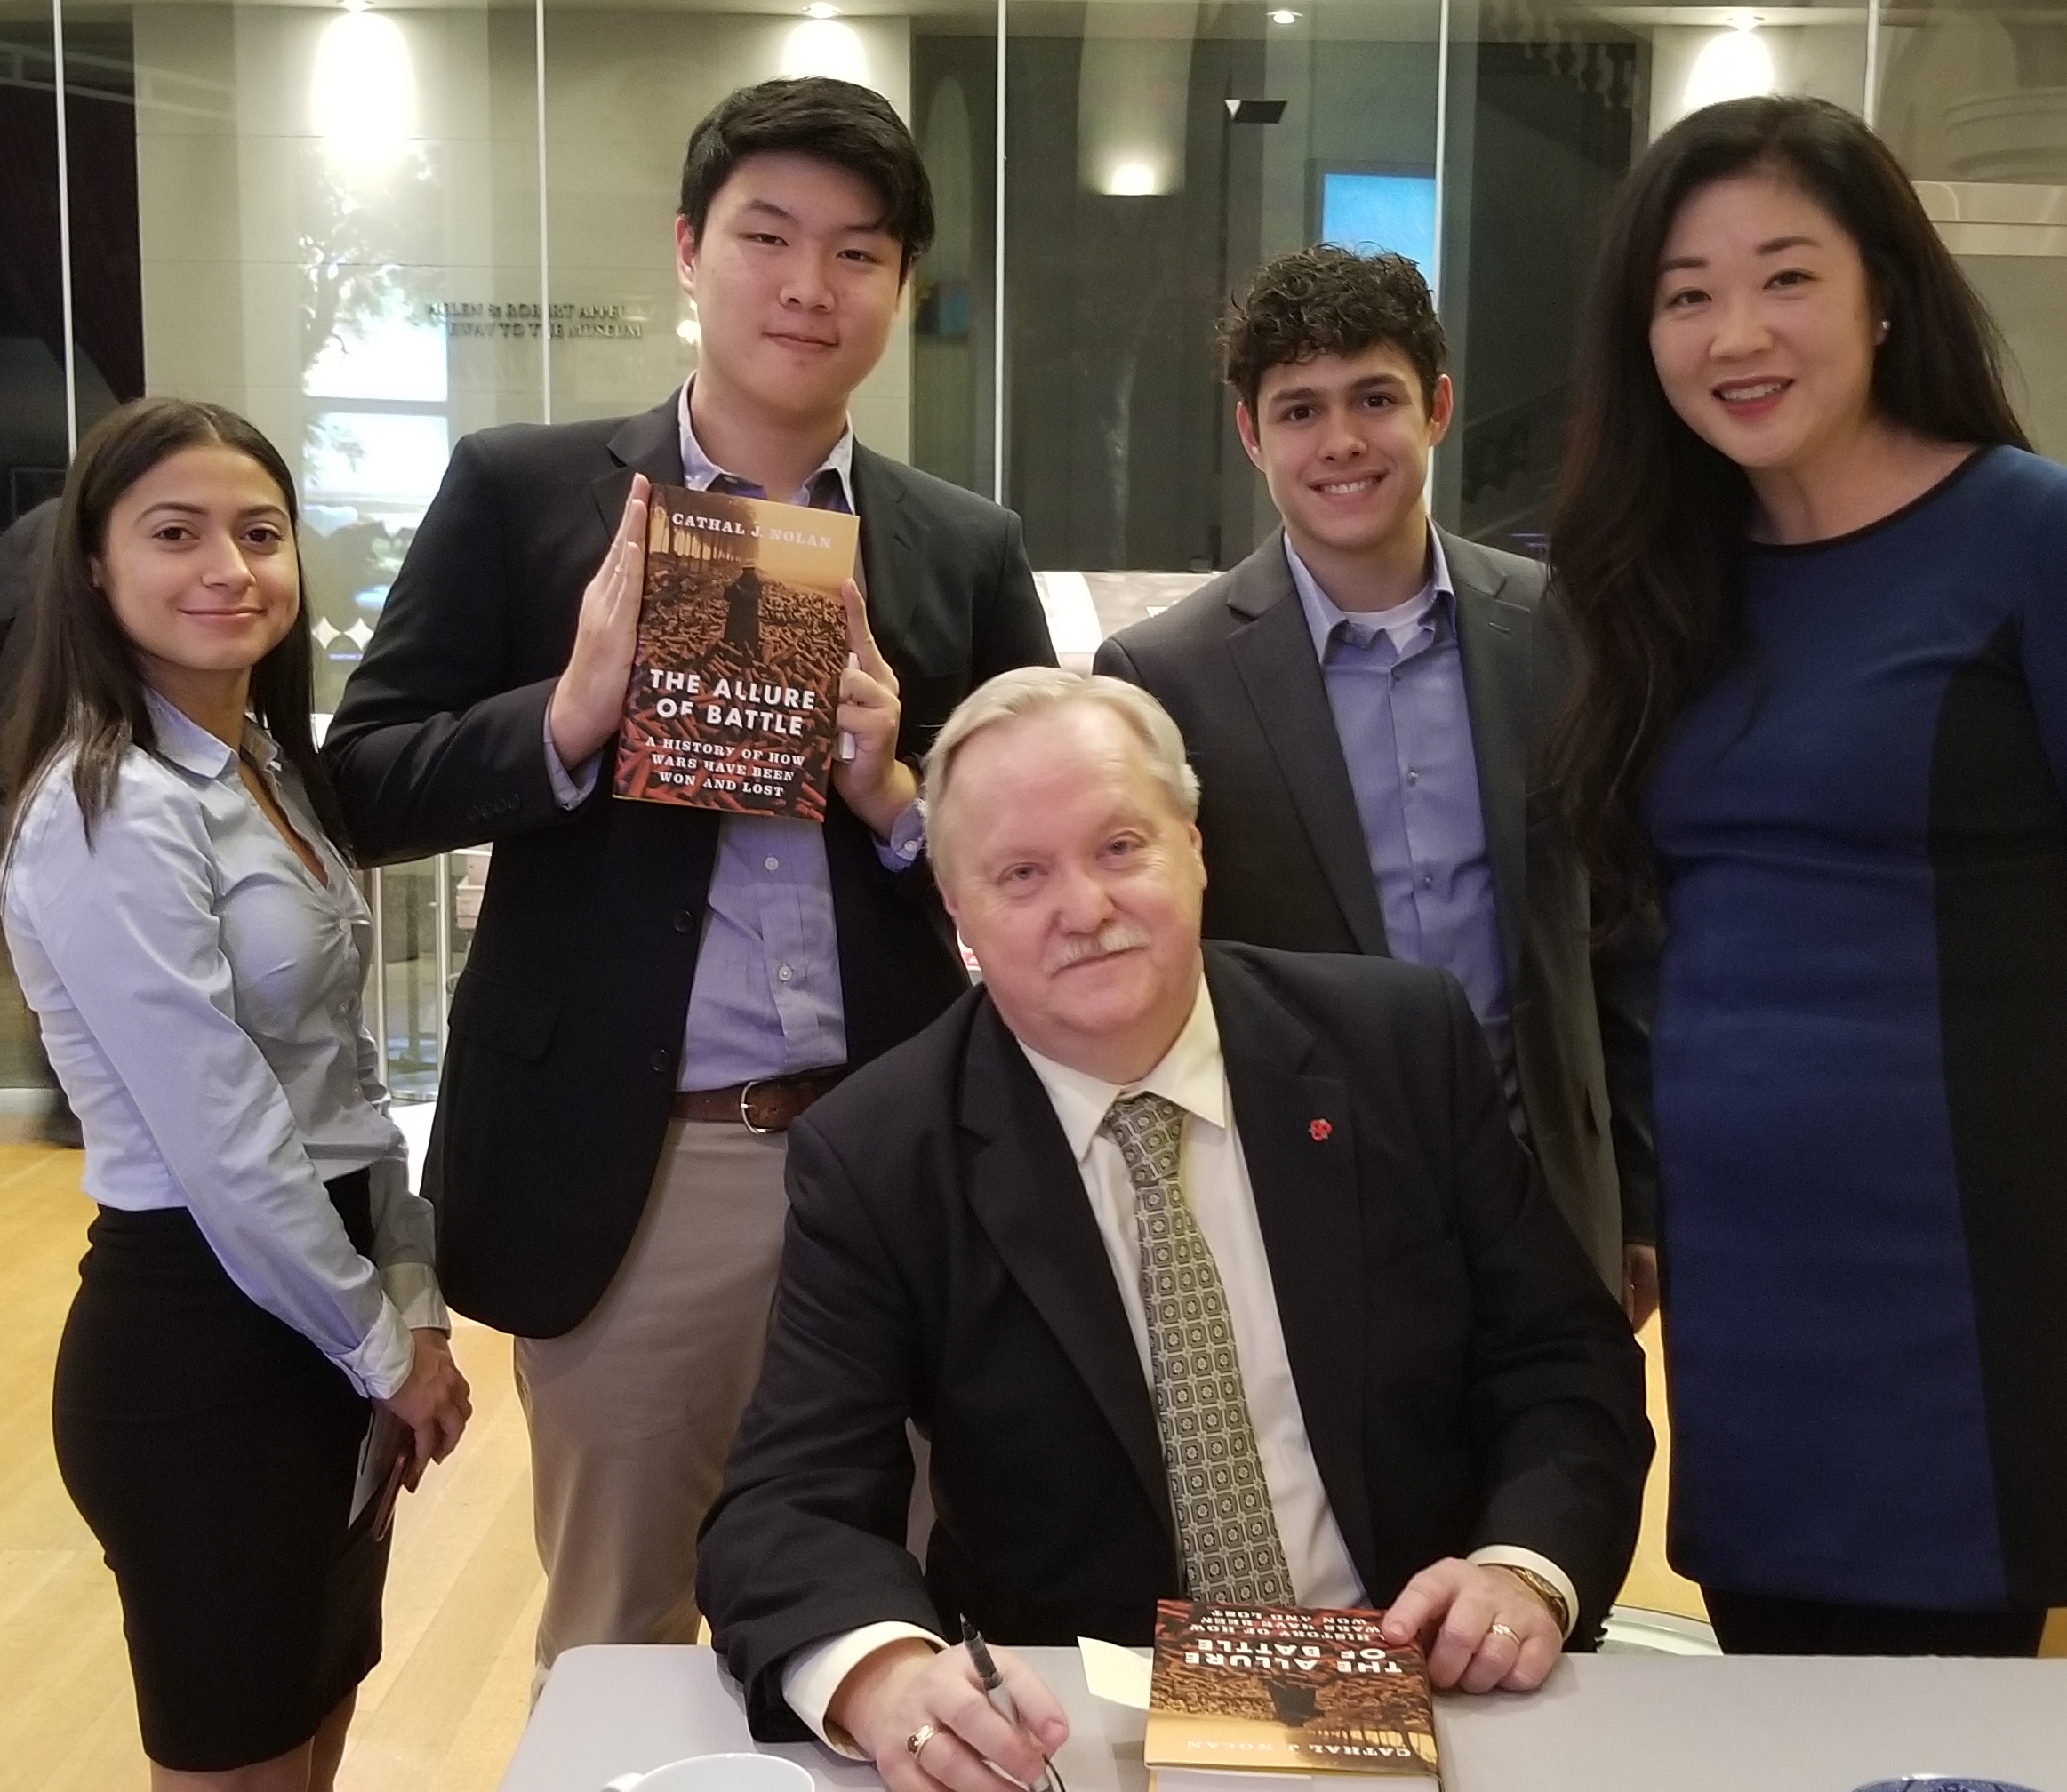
point(1284, 15)
point(822, 9)
point(1733, 64)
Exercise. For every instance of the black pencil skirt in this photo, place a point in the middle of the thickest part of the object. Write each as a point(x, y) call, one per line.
point(212, 1450)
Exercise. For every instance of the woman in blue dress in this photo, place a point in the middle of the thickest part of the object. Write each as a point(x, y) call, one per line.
point(1818, 584)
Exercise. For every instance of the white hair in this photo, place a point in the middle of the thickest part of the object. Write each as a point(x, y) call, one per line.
point(1034, 688)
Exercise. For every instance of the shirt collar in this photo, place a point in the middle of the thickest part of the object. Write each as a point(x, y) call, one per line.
point(184, 742)
point(1323, 614)
point(699, 469)
point(1190, 1072)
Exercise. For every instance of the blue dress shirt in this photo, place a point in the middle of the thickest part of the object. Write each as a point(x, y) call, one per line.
point(198, 992)
point(766, 998)
point(1395, 681)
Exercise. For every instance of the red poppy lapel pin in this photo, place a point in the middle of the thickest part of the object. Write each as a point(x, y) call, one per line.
point(1318, 1131)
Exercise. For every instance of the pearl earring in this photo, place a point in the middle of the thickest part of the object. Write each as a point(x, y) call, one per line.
point(1882, 337)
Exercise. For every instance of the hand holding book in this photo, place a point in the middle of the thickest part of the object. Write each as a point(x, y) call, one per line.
point(433, 1405)
point(587, 703)
point(872, 781)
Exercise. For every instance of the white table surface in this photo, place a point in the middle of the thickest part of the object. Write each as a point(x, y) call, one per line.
point(1601, 1724)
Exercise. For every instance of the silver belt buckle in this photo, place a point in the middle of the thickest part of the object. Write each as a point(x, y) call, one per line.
point(746, 1092)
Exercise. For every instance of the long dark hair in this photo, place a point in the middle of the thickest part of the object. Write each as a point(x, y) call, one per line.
point(81, 688)
point(1647, 543)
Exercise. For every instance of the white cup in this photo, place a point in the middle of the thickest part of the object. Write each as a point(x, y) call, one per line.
point(740, 1772)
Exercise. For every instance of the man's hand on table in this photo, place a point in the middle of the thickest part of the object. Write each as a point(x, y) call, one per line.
point(905, 1686)
point(1481, 1627)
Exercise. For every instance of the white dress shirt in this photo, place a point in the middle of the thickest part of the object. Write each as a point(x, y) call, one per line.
point(1215, 1178)
point(198, 991)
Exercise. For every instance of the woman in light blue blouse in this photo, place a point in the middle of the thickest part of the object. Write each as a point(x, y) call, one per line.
point(259, 1277)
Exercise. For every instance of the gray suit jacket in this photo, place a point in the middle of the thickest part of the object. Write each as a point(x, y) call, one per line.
point(1287, 864)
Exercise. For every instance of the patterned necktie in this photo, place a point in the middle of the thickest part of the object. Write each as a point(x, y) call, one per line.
point(1226, 1530)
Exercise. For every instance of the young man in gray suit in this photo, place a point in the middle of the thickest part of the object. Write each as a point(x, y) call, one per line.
point(1366, 700)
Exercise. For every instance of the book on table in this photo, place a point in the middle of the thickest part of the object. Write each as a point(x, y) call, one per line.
point(1249, 1696)
point(742, 639)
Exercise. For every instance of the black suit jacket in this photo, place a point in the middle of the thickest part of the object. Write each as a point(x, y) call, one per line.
point(566, 1024)
point(1463, 1376)
point(1287, 864)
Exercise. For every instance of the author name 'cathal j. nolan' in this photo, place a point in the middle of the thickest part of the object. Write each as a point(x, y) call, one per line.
point(742, 639)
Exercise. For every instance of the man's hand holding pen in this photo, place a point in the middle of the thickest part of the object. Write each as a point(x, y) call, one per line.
point(909, 1693)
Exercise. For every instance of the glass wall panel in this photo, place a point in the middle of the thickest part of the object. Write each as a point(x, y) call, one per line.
point(1157, 151)
point(327, 218)
point(32, 326)
point(1549, 104)
point(100, 151)
point(1973, 100)
point(954, 300)
point(338, 237)
point(32, 354)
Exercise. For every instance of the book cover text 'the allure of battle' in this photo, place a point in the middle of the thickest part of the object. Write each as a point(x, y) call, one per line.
point(742, 639)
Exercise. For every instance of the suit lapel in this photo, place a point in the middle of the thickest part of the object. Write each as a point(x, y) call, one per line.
point(889, 547)
point(1495, 638)
point(1273, 653)
point(1028, 1194)
point(1309, 1212)
point(650, 443)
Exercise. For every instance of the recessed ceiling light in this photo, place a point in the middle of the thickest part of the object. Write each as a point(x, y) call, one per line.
point(356, 5)
point(822, 9)
point(1284, 15)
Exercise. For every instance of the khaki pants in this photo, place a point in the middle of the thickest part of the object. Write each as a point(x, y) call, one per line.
point(631, 1413)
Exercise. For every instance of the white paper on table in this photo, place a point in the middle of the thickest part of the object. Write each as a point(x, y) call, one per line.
point(1116, 1675)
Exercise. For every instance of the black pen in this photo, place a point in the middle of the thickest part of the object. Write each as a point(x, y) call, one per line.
point(994, 1690)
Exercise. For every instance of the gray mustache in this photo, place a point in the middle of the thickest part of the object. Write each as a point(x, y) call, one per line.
point(1119, 937)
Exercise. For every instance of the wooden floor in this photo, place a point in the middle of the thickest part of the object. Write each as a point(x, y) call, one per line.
point(443, 1711)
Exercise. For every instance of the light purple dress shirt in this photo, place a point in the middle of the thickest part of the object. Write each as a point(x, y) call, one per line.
point(1406, 729)
point(766, 998)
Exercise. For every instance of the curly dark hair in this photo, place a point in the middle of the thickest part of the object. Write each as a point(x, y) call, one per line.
point(853, 127)
point(1326, 300)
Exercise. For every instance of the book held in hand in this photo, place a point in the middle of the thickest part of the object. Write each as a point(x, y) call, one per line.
point(1247, 1695)
point(385, 1454)
point(741, 640)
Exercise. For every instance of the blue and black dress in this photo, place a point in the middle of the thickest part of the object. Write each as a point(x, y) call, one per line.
point(1861, 1065)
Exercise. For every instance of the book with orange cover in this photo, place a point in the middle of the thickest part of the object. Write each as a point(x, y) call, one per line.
point(1257, 1692)
point(741, 640)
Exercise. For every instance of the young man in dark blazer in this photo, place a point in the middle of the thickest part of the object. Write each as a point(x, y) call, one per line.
point(1367, 697)
point(1209, 1271)
point(654, 994)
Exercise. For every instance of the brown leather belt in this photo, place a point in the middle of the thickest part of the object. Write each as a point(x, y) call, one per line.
point(768, 1104)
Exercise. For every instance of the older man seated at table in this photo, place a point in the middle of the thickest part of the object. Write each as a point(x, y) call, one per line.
point(1208, 1270)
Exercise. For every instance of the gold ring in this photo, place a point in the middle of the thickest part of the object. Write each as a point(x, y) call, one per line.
point(919, 1738)
point(1498, 1630)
